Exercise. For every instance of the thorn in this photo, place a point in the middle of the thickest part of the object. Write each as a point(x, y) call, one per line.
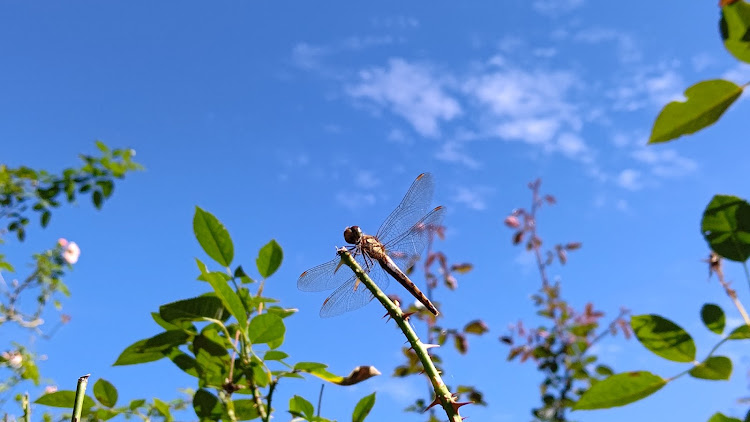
point(429, 346)
point(456, 406)
point(407, 315)
point(434, 402)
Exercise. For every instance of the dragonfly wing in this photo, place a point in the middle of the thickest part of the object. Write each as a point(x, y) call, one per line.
point(415, 204)
point(329, 275)
point(405, 250)
point(352, 295)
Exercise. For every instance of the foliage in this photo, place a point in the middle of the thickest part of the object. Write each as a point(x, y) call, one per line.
point(725, 227)
point(229, 339)
point(24, 302)
point(436, 334)
point(561, 350)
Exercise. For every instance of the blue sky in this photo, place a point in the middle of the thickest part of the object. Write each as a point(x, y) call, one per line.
point(294, 120)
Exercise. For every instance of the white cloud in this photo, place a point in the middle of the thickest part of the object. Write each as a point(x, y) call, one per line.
point(354, 200)
point(473, 198)
point(453, 152)
point(627, 48)
point(554, 7)
point(739, 74)
point(410, 91)
point(366, 179)
point(308, 56)
point(629, 179)
point(573, 146)
point(650, 87)
point(664, 162)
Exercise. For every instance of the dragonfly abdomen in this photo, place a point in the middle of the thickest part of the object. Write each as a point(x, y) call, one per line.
point(394, 271)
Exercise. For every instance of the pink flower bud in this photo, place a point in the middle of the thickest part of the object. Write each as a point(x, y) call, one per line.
point(50, 389)
point(62, 242)
point(512, 222)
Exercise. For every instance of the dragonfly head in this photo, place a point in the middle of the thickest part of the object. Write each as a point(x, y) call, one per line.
point(352, 234)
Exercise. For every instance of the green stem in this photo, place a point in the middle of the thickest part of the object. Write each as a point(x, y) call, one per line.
point(26, 408)
point(444, 396)
point(80, 394)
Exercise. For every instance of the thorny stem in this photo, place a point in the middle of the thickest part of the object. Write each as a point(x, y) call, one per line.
point(714, 262)
point(80, 395)
point(264, 416)
point(443, 395)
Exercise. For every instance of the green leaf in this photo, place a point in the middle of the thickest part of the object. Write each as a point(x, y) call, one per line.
point(64, 399)
point(300, 407)
point(275, 355)
point(718, 417)
point(619, 390)
point(713, 368)
point(105, 392)
point(207, 406)
point(266, 328)
point(163, 408)
point(735, 29)
point(269, 259)
point(98, 199)
point(663, 337)
point(135, 354)
point(229, 298)
point(363, 407)
point(706, 102)
point(726, 227)
point(358, 374)
point(245, 410)
point(740, 333)
point(195, 309)
point(713, 317)
point(213, 237)
point(46, 215)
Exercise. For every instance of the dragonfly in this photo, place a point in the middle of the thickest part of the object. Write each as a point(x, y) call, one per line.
point(397, 245)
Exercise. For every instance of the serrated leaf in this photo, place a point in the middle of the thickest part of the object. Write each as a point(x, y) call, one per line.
point(266, 328)
point(619, 390)
point(207, 406)
point(476, 327)
point(735, 29)
point(706, 102)
point(275, 355)
point(269, 259)
point(194, 309)
point(213, 237)
point(740, 333)
point(718, 417)
point(713, 317)
point(726, 227)
point(713, 368)
point(245, 410)
point(663, 337)
point(105, 392)
point(65, 399)
point(229, 299)
point(298, 406)
point(363, 408)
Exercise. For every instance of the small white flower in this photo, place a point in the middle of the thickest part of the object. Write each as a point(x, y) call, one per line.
point(14, 359)
point(71, 253)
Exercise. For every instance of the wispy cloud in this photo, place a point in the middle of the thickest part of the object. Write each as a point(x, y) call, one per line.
point(410, 90)
point(474, 198)
point(554, 7)
point(654, 87)
point(454, 152)
point(629, 179)
point(355, 200)
point(627, 50)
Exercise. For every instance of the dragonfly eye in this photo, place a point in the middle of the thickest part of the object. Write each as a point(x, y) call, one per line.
point(352, 234)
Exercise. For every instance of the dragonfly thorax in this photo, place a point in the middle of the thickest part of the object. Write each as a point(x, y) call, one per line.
point(352, 235)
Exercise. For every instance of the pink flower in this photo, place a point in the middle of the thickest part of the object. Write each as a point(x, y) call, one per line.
point(71, 253)
point(512, 222)
point(62, 242)
point(14, 359)
point(50, 389)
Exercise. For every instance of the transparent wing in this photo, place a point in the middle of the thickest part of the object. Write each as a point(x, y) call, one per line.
point(406, 249)
point(415, 204)
point(348, 297)
point(329, 275)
